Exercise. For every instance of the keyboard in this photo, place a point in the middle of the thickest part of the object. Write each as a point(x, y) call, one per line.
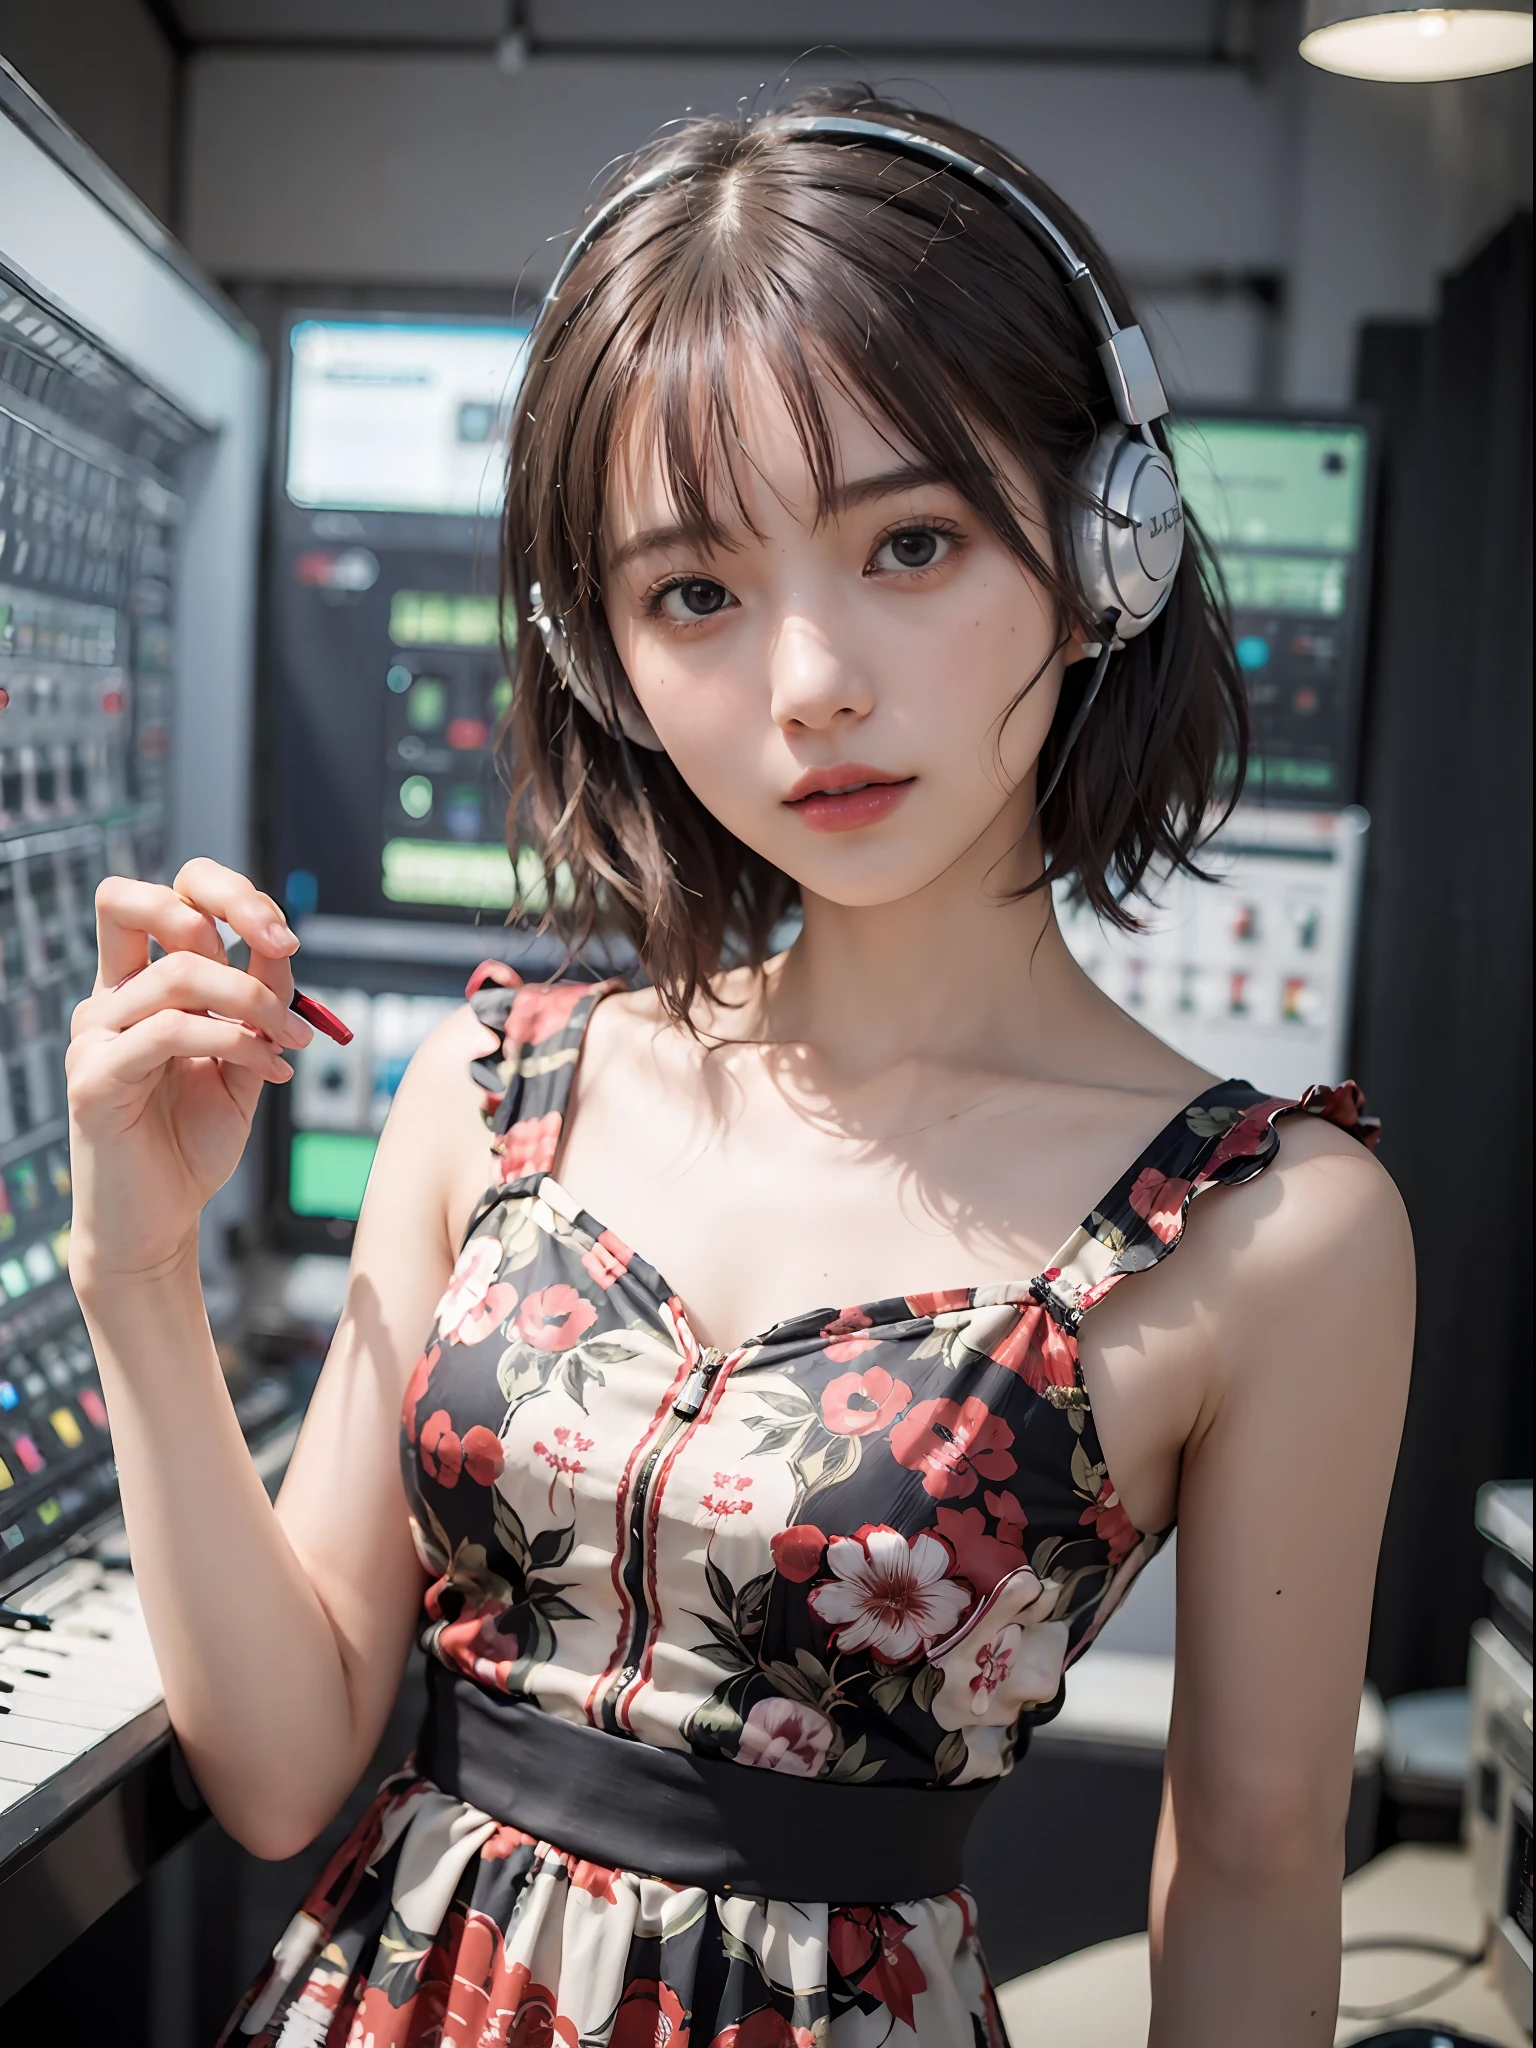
point(93, 1791)
point(65, 1689)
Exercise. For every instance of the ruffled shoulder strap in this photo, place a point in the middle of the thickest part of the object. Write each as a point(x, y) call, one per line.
point(1225, 1135)
point(525, 1082)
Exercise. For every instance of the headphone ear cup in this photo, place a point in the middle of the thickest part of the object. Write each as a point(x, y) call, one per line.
point(625, 712)
point(1128, 536)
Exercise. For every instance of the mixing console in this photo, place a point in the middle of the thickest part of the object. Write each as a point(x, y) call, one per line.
point(89, 509)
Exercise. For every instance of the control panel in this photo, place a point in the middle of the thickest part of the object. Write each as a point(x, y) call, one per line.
point(89, 513)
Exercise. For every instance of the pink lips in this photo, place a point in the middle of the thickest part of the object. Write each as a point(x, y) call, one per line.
point(847, 797)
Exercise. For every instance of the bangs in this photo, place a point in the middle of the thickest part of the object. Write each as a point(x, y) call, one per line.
point(667, 393)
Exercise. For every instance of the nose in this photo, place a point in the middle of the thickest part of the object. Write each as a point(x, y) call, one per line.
point(816, 684)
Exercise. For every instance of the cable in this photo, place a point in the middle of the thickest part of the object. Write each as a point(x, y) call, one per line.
point(1411, 1944)
point(1107, 646)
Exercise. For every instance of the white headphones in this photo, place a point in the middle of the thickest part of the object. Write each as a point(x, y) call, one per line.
point(1128, 535)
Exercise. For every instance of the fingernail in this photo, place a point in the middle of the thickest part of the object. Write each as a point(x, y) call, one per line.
point(283, 1072)
point(280, 935)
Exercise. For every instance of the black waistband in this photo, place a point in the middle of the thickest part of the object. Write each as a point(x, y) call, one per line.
point(694, 1820)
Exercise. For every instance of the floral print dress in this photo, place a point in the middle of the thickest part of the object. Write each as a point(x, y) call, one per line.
point(866, 1550)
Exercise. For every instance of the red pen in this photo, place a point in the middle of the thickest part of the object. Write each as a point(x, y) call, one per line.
point(320, 1017)
point(316, 1015)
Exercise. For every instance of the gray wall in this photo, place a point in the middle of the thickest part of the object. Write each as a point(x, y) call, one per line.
point(106, 70)
point(415, 169)
point(421, 169)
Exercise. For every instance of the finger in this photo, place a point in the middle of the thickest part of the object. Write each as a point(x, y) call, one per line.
point(138, 1054)
point(129, 914)
point(185, 981)
point(221, 892)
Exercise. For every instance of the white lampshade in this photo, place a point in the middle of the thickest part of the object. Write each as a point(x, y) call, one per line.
point(1369, 39)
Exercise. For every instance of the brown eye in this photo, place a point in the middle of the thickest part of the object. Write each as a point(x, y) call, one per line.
point(914, 547)
point(694, 597)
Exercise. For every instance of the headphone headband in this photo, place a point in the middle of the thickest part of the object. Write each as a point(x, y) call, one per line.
point(1123, 353)
point(1127, 537)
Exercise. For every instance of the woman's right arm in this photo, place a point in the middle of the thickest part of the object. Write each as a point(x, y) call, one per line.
point(280, 1632)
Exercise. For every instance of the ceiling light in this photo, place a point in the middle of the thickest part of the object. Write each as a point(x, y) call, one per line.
point(1375, 39)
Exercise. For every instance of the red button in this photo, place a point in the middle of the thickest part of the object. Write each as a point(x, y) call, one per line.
point(28, 1453)
point(93, 1405)
point(467, 733)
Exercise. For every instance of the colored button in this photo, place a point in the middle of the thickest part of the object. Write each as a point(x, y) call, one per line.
point(66, 1429)
point(94, 1407)
point(5, 1476)
point(28, 1453)
point(467, 734)
point(1253, 651)
point(8, 1395)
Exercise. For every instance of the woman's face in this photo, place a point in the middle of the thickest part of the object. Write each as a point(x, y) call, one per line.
point(836, 691)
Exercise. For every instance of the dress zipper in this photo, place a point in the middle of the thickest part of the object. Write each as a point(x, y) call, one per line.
point(690, 1399)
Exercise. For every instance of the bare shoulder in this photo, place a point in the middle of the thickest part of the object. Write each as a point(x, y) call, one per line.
point(1315, 1262)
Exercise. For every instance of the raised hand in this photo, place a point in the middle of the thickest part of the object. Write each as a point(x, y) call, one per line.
point(166, 1064)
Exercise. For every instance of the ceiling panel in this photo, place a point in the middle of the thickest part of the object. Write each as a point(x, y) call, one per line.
point(999, 24)
point(1165, 27)
point(341, 21)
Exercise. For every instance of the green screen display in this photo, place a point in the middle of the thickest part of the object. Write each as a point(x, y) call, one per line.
point(440, 618)
point(1273, 484)
point(328, 1171)
point(1312, 584)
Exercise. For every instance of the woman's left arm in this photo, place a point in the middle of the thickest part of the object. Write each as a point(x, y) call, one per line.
point(1282, 1496)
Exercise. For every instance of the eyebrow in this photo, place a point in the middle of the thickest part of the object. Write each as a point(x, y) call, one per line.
point(845, 497)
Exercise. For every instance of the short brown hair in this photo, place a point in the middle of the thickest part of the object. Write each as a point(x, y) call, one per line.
point(939, 314)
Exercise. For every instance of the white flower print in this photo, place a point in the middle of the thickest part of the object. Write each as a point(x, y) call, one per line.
point(1010, 1657)
point(471, 1281)
point(780, 1735)
point(890, 1596)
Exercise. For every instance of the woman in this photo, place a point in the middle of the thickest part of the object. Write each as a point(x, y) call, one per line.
point(811, 495)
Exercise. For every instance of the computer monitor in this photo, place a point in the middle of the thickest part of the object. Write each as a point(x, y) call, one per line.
point(400, 416)
point(385, 637)
point(1285, 502)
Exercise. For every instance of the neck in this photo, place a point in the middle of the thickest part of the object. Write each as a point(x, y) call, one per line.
point(966, 971)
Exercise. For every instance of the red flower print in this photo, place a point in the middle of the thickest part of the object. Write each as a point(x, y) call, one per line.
point(541, 1009)
point(596, 1879)
point(954, 1444)
point(1038, 1351)
point(1111, 1524)
point(534, 2023)
point(559, 1456)
point(650, 2015)
point(1160, 1201)
point(869, 1949)
point(554, 1318)
point(415, 1387)
point(943, 1301)
point(728, 1500)
point(889, 1595)
point(506, 1841)
point(1246, 1137)
point(981, 1559)
point(483, 1455)
point(442, 1454)
point(529, 1147)
point(607, 1260)
point(844, 1330)
point(797, 1552)
point(764, 2029)
point(859, 1403)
